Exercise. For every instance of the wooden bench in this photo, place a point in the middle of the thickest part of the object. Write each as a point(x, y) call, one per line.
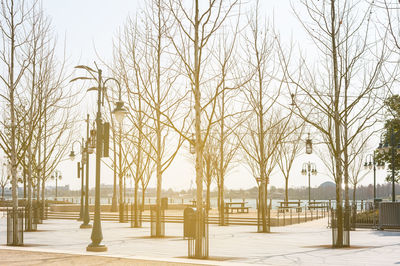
point(238, 206)
point(317, 205)
point(287, 205)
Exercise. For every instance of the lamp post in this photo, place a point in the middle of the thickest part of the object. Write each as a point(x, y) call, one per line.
point(371, 163)
point(120, 178)
point(56, 176)
point(87, 148)
point(390, 146)
point(119, 113)
point(80, 171)
point(308, 145)
point(308, 169)
point(97, 236)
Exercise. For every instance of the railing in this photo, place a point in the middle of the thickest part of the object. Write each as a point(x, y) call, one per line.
point(275, 221)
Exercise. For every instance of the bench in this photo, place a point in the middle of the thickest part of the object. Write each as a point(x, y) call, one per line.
point(238, 206)
point(287, 205)
point(317, 205)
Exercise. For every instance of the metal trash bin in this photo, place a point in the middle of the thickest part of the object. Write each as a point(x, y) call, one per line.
point(164, 203)
point(15, 227)
point(193, 222)
point(389, 215)
point(189, 222)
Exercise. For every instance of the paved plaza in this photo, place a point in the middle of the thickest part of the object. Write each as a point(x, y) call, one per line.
point(61, 242)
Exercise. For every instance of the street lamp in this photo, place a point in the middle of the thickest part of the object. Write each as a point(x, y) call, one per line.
point(89, 150)
point(192, 148)
point(308, 169)
point(80, 171)
point(371, 163)
point(392, 145)
point(308, 145)
point(96, 75)
point(56, 176)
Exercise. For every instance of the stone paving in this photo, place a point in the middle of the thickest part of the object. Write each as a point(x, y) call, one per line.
point(302, 244)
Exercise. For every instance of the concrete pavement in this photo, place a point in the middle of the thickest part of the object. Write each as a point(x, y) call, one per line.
point(302, 244)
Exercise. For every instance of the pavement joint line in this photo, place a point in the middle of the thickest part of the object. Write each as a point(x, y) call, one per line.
point(133, 257)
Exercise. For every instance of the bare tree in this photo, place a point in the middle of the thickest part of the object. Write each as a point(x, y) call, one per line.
point(15, 36)
point(288, 151)
point(141, 60)
point(195, 26)
point(354, 60)
point(267, 124)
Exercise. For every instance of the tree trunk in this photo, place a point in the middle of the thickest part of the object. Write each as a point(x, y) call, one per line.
point(337, 123)
point(208, 196)
point(135, 205)
point(221, 163)
point(158, 125)
point(286, 189)
point(143, 198)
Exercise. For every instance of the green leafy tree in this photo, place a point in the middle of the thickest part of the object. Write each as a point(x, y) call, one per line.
point(392, 105)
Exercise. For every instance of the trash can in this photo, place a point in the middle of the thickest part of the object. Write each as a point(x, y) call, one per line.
point(189, 222)
point(164, 203)
point(193, 221)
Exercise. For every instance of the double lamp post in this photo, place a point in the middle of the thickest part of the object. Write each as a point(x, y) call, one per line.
point(102, 143)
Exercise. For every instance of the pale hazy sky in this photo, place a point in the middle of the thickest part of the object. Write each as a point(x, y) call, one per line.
point(90, 25)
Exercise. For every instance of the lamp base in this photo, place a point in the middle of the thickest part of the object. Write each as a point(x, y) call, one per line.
point(98, 248)
point(86, 226)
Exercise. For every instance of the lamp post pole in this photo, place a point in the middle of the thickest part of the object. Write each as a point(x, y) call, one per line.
point(309, 185)
point(382, 148)
point(81, 212)
point(97, 235)
point(374, 180)
point(119, 112)
point(308, 169)
point(56, 176)
point(370, 163)
point(121, 187)
point(392, 143)
point(86, 217)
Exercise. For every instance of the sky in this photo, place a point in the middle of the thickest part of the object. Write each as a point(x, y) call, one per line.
point(87, 29)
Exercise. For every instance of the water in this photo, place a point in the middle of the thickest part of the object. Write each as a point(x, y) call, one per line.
point(252, 203)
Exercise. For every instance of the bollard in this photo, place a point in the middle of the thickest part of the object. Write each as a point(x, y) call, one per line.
point(278, 217)
point(298, 217)
point(291, 221)
point(284, 217)
point(305, 213)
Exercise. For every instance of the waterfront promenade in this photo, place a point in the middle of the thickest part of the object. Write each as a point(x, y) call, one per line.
point(61, 242)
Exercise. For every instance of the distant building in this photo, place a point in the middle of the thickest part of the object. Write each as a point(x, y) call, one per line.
point(327, 184)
